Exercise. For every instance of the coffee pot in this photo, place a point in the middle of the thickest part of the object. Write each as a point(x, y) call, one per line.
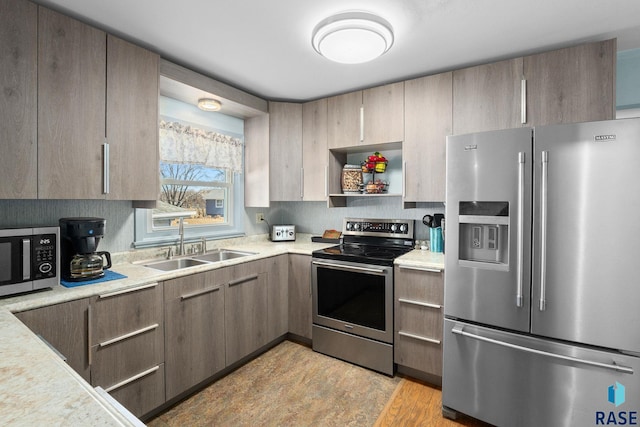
point(79, 240)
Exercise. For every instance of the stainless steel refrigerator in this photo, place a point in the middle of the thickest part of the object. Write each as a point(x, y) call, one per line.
point(542, 275)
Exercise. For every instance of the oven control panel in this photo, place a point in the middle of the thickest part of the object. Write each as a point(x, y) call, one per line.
point(379, 227)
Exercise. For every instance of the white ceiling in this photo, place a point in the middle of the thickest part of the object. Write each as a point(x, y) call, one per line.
point(264, 47)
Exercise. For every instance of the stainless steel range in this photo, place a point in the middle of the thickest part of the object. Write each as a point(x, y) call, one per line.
point(353, 292)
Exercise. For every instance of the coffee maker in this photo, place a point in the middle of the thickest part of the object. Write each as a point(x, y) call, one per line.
point(79, 238)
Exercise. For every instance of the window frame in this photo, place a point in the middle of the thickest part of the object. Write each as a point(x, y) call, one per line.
point(146, 236)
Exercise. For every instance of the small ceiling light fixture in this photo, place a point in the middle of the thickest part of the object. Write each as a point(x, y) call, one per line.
point(352, 37)
point(208, 104)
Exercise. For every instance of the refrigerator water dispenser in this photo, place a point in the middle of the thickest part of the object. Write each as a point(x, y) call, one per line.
point(484, 234)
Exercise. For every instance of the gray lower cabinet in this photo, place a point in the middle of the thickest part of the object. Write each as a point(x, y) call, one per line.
point(419, 311)
point(300, 295)
point(148, 344)
point(63, 326)
point(277, 296)
point(127, 346)
point(245, 310)
point(194, 329)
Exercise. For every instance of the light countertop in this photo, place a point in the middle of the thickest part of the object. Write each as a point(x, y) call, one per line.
point(422, 259)
point(38, 388)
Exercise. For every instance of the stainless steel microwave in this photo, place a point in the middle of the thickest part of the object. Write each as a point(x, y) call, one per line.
point(29, 259)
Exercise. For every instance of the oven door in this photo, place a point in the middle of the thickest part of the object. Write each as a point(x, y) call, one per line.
point(354, 298)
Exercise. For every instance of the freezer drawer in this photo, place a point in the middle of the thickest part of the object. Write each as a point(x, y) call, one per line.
point(509, 379)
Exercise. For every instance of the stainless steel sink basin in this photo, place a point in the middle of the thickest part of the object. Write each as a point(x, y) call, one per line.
point(174, 264)
point(221, 255)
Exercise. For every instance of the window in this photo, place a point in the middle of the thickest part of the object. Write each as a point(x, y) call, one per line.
point(200, 177)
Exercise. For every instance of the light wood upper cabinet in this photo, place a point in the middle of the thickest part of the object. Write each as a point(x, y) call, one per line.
point(575, 84)
point(71, 107)
point(256, 151)
point(18, 99)
point(297, 150)
point(567, 85)
point(132, 121)
point(368, 117)
point(428, 121)
point(285, 151)
point(95, 89)
point(487, 97)
point(314, 150)
point(383, 114)
point(343, 120)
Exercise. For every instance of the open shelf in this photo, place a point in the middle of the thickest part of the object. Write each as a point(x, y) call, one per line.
point(339, 200)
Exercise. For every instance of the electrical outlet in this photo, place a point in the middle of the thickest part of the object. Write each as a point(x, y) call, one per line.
point(259, 218)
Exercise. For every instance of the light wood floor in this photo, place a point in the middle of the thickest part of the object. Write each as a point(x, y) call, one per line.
point(415, 403)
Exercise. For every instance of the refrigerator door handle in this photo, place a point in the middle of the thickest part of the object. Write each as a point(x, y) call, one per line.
point(459, 330)
point(520, 249)
point(543, 229)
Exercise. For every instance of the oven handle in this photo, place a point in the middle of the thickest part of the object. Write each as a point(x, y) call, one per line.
point(349, 267)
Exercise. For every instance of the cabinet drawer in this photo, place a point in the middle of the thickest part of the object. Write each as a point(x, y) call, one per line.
point(418, 354)
point(414, 318)
point(419, 296)
point(122, 312)
point(112, 361)
point(418, 337)
point(142, 392)
point(419, 284)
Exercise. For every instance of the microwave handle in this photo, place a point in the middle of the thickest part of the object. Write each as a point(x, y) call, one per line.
point(26, 259)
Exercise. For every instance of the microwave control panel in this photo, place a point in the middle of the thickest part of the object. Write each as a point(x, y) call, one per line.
point(43, 255)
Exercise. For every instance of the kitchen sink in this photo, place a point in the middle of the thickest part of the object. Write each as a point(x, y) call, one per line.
point(195, 260)
point(221, 255)
point(174, 264)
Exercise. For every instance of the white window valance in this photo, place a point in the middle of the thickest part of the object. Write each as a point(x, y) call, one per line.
point(181, 143)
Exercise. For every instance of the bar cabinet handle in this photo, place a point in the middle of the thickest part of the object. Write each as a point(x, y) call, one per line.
point(243, 280)
point(132, 379)
point(459, 330)
point(200, 292)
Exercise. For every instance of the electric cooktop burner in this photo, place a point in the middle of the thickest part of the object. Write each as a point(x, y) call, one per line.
point(365, 254)
point(371, 241)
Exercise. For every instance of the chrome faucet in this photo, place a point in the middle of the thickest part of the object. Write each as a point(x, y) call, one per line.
point(181, 231)
point(203, 244)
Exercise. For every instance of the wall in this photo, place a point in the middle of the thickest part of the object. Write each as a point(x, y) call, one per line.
point(628, 84)
point(627, 79)
point(315, 217)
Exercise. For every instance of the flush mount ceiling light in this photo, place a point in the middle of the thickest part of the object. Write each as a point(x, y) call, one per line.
point(352, 37)
point(208, 104)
